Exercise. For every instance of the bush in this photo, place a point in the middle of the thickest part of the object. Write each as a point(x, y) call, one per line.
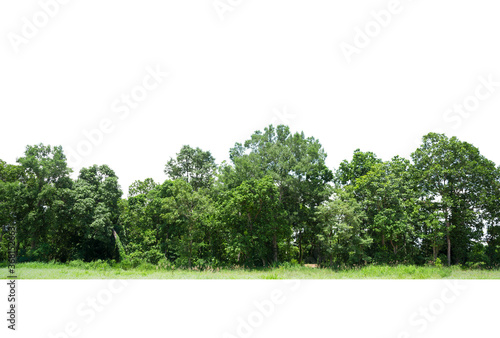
point(445, 272)
point(165, 264)
point(146, 266)
point(475, 265)
point(382, 257)
point(153, 256)
point(99, 265)
point(477, 256)
point(77, 264)
point(288, 265)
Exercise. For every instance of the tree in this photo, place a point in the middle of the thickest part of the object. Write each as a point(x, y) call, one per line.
point(491, 217)
point(456, 179)
point(253, 216)
point(141, 187)
point(195, 166)
point(140, 222)
point(188, 212)
point(388, 198)
point(296, 165)
point(10, 177)
point(342, 235)
point(96, 209)
point(360, 165)
point(43, 200)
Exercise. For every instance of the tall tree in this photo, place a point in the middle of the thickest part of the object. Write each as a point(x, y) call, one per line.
point(97, 196)
point(10, 180)
point(254, 215)
point(141, 222)
point(45, 187)
point(296, 164)
point(388, 197)
point(188, 211)
point(455, 178)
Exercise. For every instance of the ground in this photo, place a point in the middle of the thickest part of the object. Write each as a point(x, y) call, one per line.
point(104, 271)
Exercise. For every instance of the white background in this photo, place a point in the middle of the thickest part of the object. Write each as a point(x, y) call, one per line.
point(267, 62)
point(227, 77)
point(313, 308)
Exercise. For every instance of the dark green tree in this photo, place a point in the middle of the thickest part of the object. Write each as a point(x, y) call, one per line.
point(96, 210)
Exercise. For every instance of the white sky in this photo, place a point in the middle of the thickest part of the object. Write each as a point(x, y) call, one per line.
point(228, 77)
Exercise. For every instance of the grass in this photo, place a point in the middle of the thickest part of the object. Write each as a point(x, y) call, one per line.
point(103, 270)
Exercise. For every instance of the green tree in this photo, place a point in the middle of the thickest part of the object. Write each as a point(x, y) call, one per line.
point(96, 209)
point(455, 178)
point(43, 200)
point(297, 166)
point(342, 235)
point(360, 165)
point(388, 198)
point(195, 166)
point(254, 216)
point(188, 212)
point(140, 222)
point(491, 199)
point(10, 177)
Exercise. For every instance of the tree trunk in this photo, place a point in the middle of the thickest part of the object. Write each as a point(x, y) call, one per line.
point(190, 246)
point(448, 241)
point(300, 247)
point(394, 249)
point(275, 249)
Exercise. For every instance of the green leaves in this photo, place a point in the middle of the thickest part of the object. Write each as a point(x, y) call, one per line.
point(456, 179)
point(195, 166)
point(96, 209)
point(342, 236)
point(273, 202)
point(254, 218)
point(295, 164)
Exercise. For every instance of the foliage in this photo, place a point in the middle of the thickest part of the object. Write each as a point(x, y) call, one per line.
point(275, 204)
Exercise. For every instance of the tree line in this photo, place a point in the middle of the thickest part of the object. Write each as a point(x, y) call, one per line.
point(275, 201)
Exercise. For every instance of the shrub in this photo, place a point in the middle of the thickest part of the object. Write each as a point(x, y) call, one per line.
point(475, 265)
point(165, 264)
point(99, 265)
point(288, 265)
point(77, 264)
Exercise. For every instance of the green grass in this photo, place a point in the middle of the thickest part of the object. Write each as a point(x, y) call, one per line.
point(103, 270)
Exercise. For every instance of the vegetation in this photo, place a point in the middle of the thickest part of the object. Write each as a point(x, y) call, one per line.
point(276, 204)
point(113, 270)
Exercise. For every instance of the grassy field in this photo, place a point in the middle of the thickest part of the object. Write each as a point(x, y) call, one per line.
point(105, 271)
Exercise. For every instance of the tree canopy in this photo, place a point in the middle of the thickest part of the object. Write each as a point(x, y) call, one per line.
point(275, 201)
